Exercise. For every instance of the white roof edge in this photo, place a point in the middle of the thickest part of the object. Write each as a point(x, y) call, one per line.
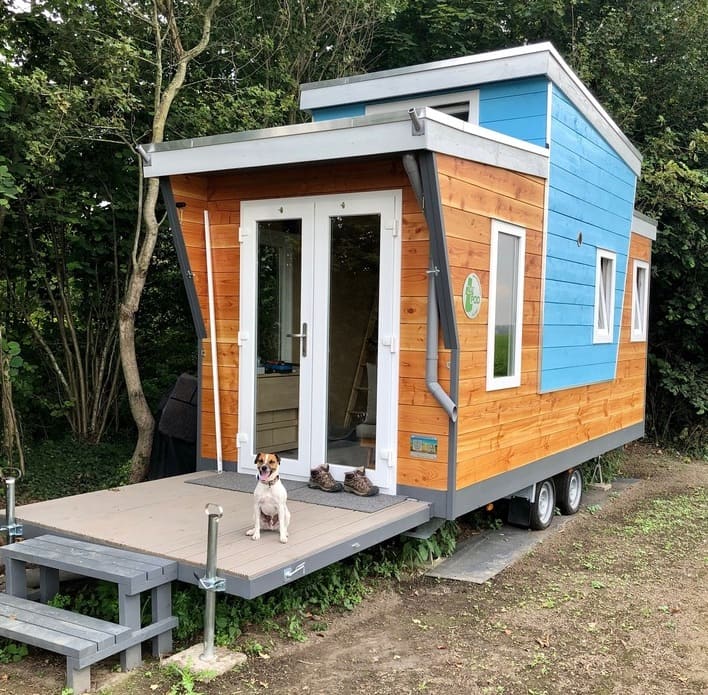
point(469, 71)
point(341, 139)
point(463, 61)
point(643, 225)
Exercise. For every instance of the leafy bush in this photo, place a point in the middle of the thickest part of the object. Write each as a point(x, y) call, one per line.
point(11, 652)
point(70, 467)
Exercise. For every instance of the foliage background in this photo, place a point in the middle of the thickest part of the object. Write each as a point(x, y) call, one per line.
point(75, 100)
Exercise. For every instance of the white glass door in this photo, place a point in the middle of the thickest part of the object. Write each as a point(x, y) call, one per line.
point(320, 299)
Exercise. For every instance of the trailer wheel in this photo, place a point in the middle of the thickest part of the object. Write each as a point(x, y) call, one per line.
point(569, 488)
point(544, 506)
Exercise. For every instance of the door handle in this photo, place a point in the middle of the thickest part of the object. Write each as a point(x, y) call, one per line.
point(303, 338)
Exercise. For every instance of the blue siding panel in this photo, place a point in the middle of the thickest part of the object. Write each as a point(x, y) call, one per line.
point(590, 191)
point(527, 129)
point(518, 108)
point(557, 379)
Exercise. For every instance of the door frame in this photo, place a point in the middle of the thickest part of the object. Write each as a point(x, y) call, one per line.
point(315, 213)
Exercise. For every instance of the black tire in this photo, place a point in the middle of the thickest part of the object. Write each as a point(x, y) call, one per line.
point(543, 507)
point(569, 491)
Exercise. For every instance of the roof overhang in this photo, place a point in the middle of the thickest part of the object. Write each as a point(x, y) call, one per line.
point(381, 134)
point(535, 60)
point(644, 225)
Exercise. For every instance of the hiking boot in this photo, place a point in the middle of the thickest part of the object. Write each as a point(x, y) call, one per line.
point(357, 483)
point(321, 479)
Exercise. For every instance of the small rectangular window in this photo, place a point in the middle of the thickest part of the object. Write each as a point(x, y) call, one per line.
point(640, 300)
point(462, 105)
point(604, 297)
point(506, 301)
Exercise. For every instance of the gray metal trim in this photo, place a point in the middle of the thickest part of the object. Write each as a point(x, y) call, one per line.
point(209, 464)
point(644, 225)
point(346, 138)
point(439, 500)
point(453, 428)
point(251, 588)
point(495, 488)
point(432, 208)
point(182, 258)
point(276, 133)
point(470, 72)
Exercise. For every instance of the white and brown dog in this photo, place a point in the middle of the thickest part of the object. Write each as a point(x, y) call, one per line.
point(270, 511)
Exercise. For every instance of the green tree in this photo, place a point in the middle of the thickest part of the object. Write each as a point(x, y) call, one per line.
point(86, 84)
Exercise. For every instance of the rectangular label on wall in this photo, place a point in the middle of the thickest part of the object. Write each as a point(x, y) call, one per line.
point(424, 447)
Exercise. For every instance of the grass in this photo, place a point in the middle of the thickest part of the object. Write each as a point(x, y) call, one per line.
point(665, 516)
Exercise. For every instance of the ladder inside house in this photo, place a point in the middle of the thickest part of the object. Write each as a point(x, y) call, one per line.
point(353, 414)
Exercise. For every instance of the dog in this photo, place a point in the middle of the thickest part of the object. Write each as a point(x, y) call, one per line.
point(270, 511)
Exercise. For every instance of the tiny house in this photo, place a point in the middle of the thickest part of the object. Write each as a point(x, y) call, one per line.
point(441, 277)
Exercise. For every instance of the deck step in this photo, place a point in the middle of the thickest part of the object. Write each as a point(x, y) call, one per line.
point(133, 572)
point(81, 639)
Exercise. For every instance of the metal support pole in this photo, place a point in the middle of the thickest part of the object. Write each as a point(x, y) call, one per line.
point(11, 527)
point(210, 582)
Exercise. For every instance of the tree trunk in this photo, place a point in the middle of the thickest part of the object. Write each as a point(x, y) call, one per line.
point(142, 415)
point(163, 10)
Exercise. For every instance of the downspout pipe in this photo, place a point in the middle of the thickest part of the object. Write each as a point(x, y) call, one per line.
point(432, 320)
point(431, 351)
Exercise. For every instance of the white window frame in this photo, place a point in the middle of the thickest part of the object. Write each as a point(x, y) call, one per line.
point(447, 103)
point(605, 285)
point(514, 379)
point(640, 301)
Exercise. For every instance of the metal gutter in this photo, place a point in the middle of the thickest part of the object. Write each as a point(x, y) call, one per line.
point(441, 312)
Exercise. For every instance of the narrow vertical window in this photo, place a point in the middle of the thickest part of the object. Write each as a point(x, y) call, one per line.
point(506, 300)
point(640, 300)
point(604, 297)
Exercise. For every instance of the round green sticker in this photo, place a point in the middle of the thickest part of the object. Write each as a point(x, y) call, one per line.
point(472, 295)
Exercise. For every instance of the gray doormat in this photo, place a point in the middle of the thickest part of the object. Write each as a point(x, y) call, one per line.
point(299, 492)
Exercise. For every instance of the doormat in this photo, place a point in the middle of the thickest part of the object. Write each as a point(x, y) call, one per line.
point(299, 492)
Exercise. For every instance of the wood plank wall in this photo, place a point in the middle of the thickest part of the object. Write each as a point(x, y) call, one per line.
point(502, 430)
point(498, 430)
point(222, 194)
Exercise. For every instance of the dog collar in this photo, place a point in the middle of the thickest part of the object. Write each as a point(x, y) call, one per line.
point(270, 483)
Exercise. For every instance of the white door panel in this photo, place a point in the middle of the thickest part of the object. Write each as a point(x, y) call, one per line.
point(327, 266)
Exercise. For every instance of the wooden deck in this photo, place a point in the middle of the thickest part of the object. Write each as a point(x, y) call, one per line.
point(167, 518)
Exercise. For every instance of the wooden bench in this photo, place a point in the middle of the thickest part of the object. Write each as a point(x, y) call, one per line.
point(82, 640)
point(132, 572)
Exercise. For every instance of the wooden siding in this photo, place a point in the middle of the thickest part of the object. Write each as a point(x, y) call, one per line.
point(517, 108)
point(472, 194)
point(591, 191)
point(222, 195)
point(499, 431)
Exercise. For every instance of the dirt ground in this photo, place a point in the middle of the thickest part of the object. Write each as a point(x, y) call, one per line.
point(616, 602)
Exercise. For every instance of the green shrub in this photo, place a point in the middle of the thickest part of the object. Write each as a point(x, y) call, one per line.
point(70, 467)
point(11, 652)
